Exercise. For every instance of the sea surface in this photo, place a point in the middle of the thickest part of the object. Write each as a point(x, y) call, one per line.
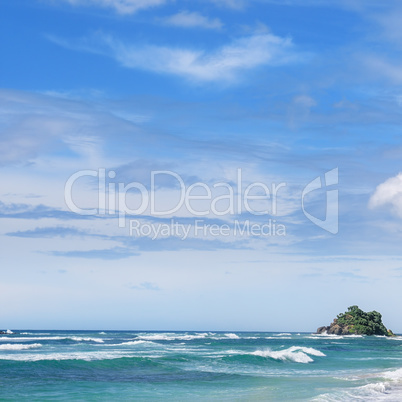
point(188, 366)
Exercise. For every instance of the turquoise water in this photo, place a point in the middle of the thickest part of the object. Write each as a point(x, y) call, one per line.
point(184, 366)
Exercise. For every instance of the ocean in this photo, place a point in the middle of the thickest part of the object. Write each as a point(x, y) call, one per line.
point(188, 366)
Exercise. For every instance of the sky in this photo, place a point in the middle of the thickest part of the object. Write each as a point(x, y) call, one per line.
point(199, 165)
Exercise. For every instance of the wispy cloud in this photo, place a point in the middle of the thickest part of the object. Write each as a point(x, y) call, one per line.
point(146, 286)
point(222, 64)
point(48, 232)
point(235, 4)
point(26, 211)
point(121, 6)
point(115, 253)
point(188, 19)
point(383, 68)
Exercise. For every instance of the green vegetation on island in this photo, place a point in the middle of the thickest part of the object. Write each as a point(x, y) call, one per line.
point(356, 322)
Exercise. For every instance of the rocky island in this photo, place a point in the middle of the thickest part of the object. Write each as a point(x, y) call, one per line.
point(356, 321)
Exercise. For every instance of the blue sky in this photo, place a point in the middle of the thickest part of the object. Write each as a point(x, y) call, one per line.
point(283, 91)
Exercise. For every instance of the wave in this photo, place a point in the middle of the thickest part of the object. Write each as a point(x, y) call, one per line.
point(277, 337)
point(131, 343)
point(381, 390)
point(369, 392)
point(394, 338)
point(298, 357)
point(325, 335)
point(315, 337)
point(395, 375)
point(81, 339)
point(172, 337)
point(232, 336)
point(85, 356)
point(298, 354)
point(34, 333)
point(53, 338)
point(283, 334)
point(18, 346)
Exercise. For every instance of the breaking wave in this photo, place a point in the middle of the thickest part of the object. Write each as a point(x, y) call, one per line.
point(53, 338)
point(232, 336)
point(388, 389)
point(17, 346)
point(298, 354)
point(172, 337)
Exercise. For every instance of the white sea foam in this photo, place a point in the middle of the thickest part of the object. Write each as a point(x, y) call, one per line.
point(369, 392)
point(53, 338)
point(298, 357)
point(34, 333)
point(157, 337)
point(395, 375)
point(82, 339)
point(232, 336)
point(310, 351)
point(328, 336)
point(277, 337)
point(284, 334)
point(389, 390)
point(17, 346)
point(298, 354)
point(172, 337)
point(132, 343)
point(394, 338)
point(325, 334)
point(9, 332)
point(87, 356)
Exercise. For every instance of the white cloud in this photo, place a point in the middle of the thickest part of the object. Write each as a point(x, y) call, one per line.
point(121, 6)
point(187, 19)
point(222, 64)
point(389, 193)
